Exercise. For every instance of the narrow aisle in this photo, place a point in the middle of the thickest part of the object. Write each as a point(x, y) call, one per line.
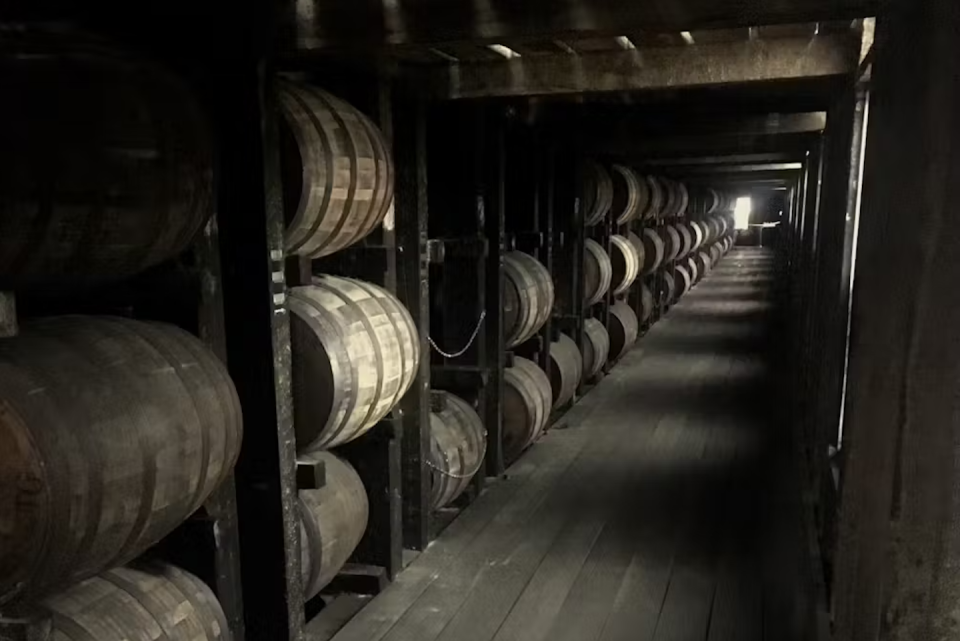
point(659, 512)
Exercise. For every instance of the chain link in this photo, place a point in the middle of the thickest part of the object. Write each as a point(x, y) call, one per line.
point(476, 332)
point(483, 456)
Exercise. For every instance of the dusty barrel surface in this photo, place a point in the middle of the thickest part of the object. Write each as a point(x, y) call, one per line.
point(566, 369)
point(597, 272)
point(654, 209)
point(638, 247)
point(669, 293)
point(458, 443)
point(683, 280)
point(527, 400)
point(628, 194)
point(596, 347)
point(686, 240)
point(624, 264)
point(107, 162)
point(355, 354)
point(150, 601)
point(112, 433)
point(654, 251)
point(646, 303)
point(691, 264)
point(527, 299)
point(624, 329)
point(596, 189)
point(332, 521)
point(337, 171)
point(672, 243)
point(704, 262)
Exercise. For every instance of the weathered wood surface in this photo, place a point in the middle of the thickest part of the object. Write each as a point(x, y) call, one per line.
point(528, 297)
point(597, 272)
point(649, 517)
point(112, 433)
point(458, 443)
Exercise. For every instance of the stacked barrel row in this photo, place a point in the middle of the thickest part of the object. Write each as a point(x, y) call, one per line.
point(113, 431)
point(664, 237)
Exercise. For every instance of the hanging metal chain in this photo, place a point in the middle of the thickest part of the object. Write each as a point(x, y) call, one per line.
point(483, 456)
point(473, 337)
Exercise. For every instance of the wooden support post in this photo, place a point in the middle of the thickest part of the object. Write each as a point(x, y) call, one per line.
point(258, 350)
point(410, 157)
point(899, 539)
point(492, 163)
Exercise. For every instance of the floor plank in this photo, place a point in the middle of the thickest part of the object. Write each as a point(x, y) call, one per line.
point(649, 517)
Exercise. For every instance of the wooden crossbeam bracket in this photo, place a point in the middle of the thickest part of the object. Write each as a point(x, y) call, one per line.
point(650, 68)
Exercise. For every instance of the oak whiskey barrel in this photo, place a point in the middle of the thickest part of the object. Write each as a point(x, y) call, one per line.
point(654, 251)
point(566, 369)
point(624, 264)
point(107, 162)
point(528, 297)
point(112, 433)
point(332, 521)
point(527, 400)
point(355, 354)
point(597, 272)
point(624, 329)
point(458, 444)
point(596, 191)
point(647, 304)
point(337, 171)
point(627, 194)
point(154, 601)
point(596, 347)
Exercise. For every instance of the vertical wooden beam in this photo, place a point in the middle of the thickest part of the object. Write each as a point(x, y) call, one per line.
point(250, 215)
point(899, 543)
point(410, 156)
point(491, 148)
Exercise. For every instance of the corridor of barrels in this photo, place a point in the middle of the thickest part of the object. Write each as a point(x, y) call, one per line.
point(661, 507)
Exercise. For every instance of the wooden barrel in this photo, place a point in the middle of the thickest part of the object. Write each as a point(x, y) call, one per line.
point(355, 354)
point(527, 297)
point(696, 227)
point(337, 171)
point(654, 251)
point(112, 433)
point(628, 194)
point(596, 190)
point(597, 272)
point(691, 264)
point(527, 400)
point(624, 264)
point(671, 243)
point(704, 262)
point(671, 202)
point(332, 521)
point(715, 254)
point(683, 280)
point(624, 329)
point(686, 240)
point(684, 198)
point(566, 369)
point(107, 162)
point(669, 293)
point(647, 304)
point(458, 443)
point(152, 601)
point(637, 243)
point(654, 210)
point(596, 347)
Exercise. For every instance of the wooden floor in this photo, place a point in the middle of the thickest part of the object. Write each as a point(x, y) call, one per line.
point(662, 508)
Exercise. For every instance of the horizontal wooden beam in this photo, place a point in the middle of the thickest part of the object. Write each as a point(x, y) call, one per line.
point(313, 24)
point(724, 63)
point(726, 159)
point(723, 170)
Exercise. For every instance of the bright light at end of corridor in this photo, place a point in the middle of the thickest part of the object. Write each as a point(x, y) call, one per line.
point(741, 213)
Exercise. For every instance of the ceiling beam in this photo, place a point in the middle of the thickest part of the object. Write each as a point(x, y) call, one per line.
point(721, 170)
point(713, 64)
point(313, 24)
point(729, 159)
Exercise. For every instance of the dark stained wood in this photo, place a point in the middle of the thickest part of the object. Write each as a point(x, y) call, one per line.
point(458, 443)
point(898, 531)
point(640, 520)
point(327, 23)
point(649, 68)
